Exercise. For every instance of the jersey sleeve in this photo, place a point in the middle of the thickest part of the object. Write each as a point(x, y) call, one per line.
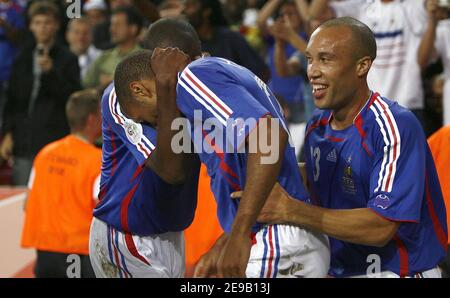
point(138, 138)
point(207, 91)
point(398, 170)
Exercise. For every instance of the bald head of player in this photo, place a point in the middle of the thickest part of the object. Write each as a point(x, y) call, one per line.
point(135, 86)
point(340, 54)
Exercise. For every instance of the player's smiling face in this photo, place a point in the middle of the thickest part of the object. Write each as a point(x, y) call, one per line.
point(331, 67)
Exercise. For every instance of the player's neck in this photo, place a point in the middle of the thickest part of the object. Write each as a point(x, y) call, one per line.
point(345, 116)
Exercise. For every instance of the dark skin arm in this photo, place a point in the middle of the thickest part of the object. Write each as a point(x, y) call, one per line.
point(207, 265)
point(426, 47)
point(170, 166)
point(359, 226)
point(261, 177)
point(283, 32)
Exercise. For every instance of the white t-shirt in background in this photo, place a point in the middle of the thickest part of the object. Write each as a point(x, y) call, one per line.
point(398, 27)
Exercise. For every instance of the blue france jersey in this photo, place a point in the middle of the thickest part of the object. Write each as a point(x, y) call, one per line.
point(218, 96)
point(381, 162)
point(132, 197)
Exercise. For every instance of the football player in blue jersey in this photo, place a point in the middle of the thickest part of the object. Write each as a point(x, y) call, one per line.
point(226, 105)
point(368, 165)
point(148, 194)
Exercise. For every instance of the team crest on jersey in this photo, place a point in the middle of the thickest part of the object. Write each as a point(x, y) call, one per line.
point(133, 132)
point(382, 201)
point(348, 183)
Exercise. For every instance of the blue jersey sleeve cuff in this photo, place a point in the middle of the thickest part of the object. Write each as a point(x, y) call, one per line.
point(393, 217)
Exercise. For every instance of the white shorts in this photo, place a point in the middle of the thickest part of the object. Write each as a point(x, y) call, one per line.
point(116, 254)
point(288, 251)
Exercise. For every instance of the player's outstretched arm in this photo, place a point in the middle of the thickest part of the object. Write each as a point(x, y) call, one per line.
point(360, 226)
point(171, 167)
point(261, 176)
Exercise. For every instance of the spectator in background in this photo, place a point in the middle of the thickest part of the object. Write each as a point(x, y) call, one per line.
point(126, 24)
point(207, 17)
point(43, 76)
point(171, 8)
point(436, 42)
point(64, 184)
point(61, 6)
point(243, 20)
point(11, 24)
point(290, 89)
point(79, 37)
point(398, 27)
point(95, 11)
point(296, 65)
point(102, 36)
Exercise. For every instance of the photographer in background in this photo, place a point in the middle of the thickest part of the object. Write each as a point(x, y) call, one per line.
point(43, 76)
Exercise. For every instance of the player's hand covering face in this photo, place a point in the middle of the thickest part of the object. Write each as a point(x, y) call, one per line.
point(167, 63)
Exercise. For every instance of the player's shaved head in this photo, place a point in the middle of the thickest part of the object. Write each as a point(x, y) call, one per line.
point(133, 68)
point(363, 40)
point(174, 33)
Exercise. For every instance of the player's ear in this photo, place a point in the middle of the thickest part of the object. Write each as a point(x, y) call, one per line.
point(363, 66)
point(138, 90)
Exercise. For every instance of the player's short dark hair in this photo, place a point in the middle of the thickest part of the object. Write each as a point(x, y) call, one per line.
point(134, 17)
point(80, 105)
point(364, 40)
point(174, 33)
point(133, 68)
point(43, 8)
